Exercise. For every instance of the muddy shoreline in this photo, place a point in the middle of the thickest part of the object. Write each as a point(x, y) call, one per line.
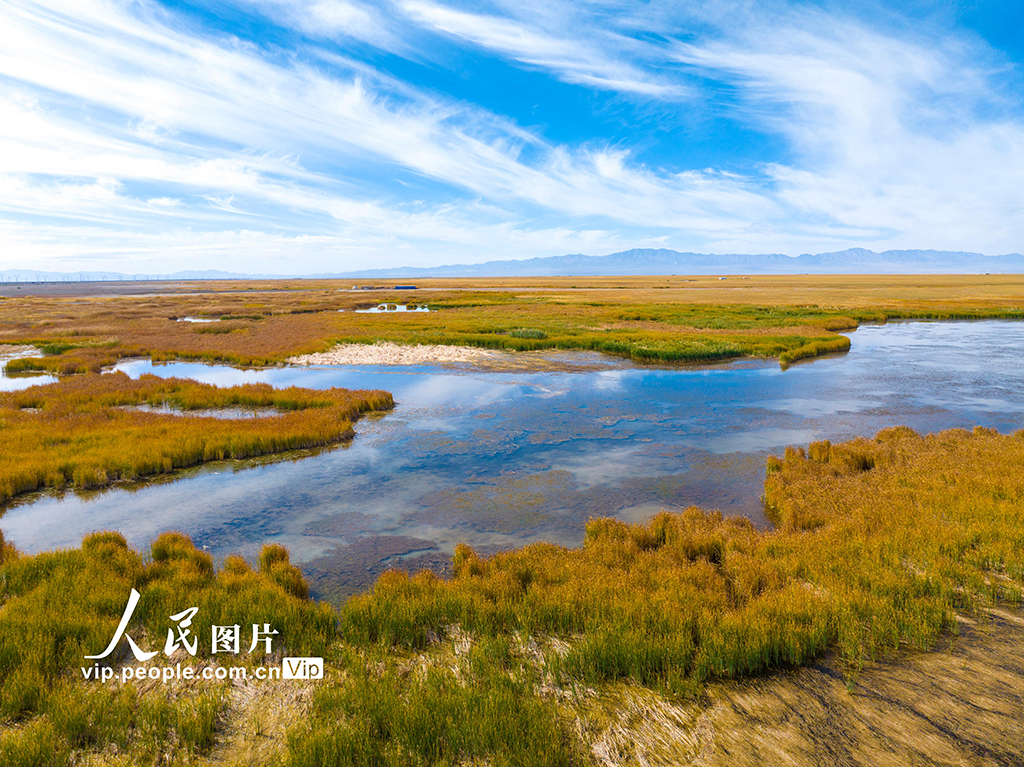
point(961, 703)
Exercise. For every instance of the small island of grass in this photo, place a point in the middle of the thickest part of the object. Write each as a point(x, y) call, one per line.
point(95, 429)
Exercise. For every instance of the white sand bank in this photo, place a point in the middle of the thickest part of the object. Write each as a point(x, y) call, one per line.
point(396, 354)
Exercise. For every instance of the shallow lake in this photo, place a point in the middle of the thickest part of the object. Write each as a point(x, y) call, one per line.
point(503, 459)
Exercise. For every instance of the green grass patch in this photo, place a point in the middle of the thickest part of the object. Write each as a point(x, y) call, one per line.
point(56, 347)
point(485, 710)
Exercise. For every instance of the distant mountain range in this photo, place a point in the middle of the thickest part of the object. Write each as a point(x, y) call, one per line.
point(636, 262)
point(649, 262)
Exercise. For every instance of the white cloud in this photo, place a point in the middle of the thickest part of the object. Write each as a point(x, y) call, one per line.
point(218, 119)
point(423, 240)
point(333, 19)
point(573, 60)
point(891, 137)
point(121, 116)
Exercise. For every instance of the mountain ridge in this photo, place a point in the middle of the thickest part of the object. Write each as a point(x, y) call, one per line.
point(633, 262)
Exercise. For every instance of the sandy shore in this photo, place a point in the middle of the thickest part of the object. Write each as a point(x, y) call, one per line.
point(397, 354)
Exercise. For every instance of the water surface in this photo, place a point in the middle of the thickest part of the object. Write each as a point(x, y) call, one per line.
point(17, 381)
point(503, 459)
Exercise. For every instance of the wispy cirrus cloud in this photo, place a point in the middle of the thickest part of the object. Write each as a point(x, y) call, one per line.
point(591, 63)
point(129, 125)
point(207, 118)
point(911, 139)
point(347, 20)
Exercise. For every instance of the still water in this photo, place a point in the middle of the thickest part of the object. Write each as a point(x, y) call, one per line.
point(502, 459)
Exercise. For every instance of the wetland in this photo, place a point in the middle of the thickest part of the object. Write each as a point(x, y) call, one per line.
point(499, 460)
point(566, 548)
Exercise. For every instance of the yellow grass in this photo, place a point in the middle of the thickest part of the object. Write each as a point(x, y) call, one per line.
point(878, 543)
point(83, 432)
point(61, 606)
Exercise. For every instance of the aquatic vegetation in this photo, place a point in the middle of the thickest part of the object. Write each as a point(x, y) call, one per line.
point(82, 432)
point(689, 351)
point(815, 348)
point(879, 542)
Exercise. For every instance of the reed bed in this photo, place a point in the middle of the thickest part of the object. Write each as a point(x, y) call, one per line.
point(878, 545)
point(83, 431)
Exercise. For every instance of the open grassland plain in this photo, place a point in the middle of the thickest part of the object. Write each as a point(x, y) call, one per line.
point(878, 623)
point(648, 319)
point(92, 430)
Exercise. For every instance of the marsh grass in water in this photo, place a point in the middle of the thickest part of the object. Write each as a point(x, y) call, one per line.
point(878, 544)
point(77, 433)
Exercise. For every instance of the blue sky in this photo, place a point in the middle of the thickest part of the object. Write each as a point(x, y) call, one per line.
point(301, 136)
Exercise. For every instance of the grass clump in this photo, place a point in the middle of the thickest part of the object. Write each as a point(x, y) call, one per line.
point(54, 348)
point(68, 358)
point(275, 565)
point(527, 333)
point(687, 351)
point(815, 348)
point(81, 432)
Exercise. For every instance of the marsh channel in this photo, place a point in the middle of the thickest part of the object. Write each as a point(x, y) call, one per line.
point(503, 459)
